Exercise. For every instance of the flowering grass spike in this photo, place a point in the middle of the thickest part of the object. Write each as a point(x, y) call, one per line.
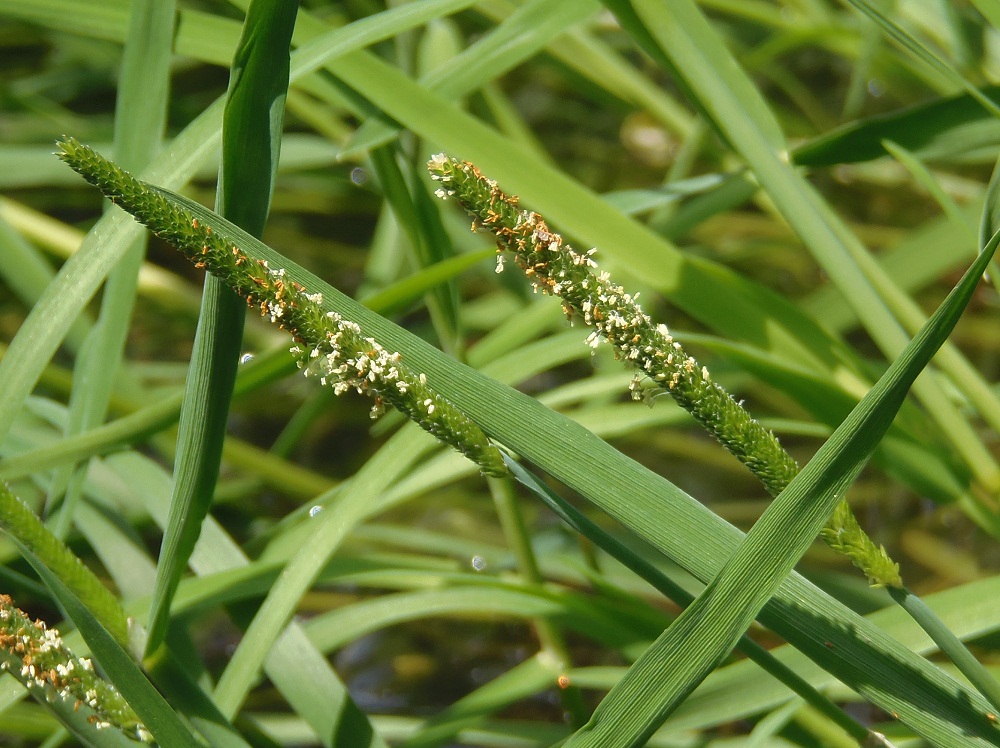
point(328, 346)
point(615, 317)
point(36, 656)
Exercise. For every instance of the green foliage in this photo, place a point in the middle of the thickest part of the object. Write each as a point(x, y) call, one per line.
point(328, 553)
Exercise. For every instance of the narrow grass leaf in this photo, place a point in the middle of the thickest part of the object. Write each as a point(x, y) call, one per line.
point(252, 126)
point(707, 630)
point(920, 51)
point(140, 119)
point(529, 29)
point(951, 127)
point(156, 714)
point(859, 654)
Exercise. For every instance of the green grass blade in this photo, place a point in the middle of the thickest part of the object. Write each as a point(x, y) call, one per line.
point(140, 119)
point(707, 630)
point(908, 42)
point(527, 30)
point(331, 526)
point(252, 126)
point(858, 653)
point(157, 715)
point(695, 48)
point(952, 127)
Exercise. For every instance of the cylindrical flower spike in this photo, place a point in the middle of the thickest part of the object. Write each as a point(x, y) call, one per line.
point(36, 656)
point(329, 346)
point(554, 267)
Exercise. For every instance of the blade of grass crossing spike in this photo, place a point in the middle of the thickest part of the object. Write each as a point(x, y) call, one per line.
point(489, 405)
point(28, 533)
point(140, 119)
point(619, 551)
point(252, 125)
point(156, 714)
point(82, 274)
point(843, 643)
point(707, 630)
point(687, 37)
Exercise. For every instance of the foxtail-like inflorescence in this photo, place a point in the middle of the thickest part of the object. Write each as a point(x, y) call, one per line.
point(615, 317)
point(36, 656)
point(327, 345)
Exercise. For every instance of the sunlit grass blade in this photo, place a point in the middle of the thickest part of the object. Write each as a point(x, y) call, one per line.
point(855, 651)
point(140, 119)
point(528, 29)
point(619, 551)
point(685, 36)
point(706, 631)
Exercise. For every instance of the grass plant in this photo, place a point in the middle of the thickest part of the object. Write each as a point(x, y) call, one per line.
point(796, 200)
